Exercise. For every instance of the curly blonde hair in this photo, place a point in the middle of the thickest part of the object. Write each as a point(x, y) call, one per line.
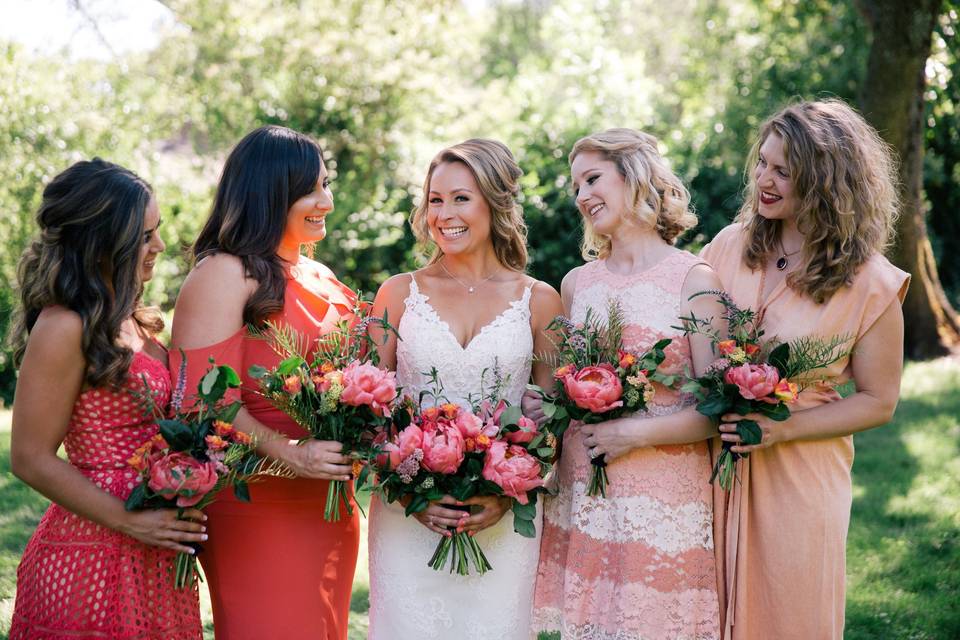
point(497, 174)
point(657, 197)
point(845, 180)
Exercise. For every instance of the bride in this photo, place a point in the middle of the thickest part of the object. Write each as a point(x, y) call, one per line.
point(471, 309)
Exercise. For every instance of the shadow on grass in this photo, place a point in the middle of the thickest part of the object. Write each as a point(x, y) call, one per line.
point(904, 556)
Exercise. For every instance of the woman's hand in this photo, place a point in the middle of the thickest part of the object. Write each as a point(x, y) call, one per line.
point(493, 508)
point(771, 430)
point(531, 405)
point(438, 516)
point(319, 460)
point(612, 438)
point(162, 528)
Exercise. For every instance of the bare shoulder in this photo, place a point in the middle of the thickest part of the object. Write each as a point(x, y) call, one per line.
point(395, 289)
point(570, 281)
point(56, 337)
point(318, 267)
point(219, 279)
point(542, 295)
point(700, 277)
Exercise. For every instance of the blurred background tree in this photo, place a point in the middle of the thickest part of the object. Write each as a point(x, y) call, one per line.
point(384, 84)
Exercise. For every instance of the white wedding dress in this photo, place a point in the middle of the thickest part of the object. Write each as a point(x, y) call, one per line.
point(408, 599)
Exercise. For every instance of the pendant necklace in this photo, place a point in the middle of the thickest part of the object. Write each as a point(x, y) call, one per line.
point(469, 288)
point(782, 260)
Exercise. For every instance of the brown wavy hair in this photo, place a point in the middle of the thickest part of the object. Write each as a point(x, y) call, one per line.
point(270, 168)
point(497, 174)
point(845, 180)
point(87, 258)
point(655, 194)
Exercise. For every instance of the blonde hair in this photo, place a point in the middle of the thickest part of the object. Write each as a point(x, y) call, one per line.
point(655, 195)
point(497, 175)
point(845, 181)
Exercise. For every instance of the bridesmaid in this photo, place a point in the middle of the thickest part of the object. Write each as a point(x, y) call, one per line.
point(86, 350)
point(806, 250)
point(275, 567)
point(640, 562)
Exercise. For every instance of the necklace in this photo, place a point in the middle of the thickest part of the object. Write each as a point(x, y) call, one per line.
point(782, 260)
point(469, 288)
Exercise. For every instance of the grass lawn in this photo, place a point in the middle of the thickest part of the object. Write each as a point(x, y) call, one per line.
point(903, 553)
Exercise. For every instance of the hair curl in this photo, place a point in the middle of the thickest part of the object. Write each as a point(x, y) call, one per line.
point(270, 168)
point(845, 182)
point(87, 258)
point(655, 195)
point(497, 174)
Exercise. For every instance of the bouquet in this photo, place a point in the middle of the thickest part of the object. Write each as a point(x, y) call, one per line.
point(195, 455)
point(445, 449)
point(753, 376)
point(334, 389)
point(597, 380)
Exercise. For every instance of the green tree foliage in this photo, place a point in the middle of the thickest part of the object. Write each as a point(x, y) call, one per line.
point(384, 84)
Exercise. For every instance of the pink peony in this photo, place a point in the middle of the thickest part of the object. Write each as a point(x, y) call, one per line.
point(755, 381)
point(443, 449)
point(513, 469)
point(406, 442)
point(470, 425)
point(526, 431)
point(596, 389)
point(366, 384)
point(183, 477)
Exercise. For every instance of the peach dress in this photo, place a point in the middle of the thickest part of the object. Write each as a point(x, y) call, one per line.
point(785, 521)
point(275, 567)
point(640, 562)
point(78, 579)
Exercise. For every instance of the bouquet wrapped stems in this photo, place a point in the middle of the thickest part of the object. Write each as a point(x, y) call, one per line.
point(598, 479)
point(464, 550)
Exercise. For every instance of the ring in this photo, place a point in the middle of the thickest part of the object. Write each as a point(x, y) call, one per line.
point(593, 453)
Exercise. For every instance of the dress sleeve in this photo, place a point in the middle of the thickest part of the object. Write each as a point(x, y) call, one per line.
point(713, 251)
point(881, 283)
point(188, 366)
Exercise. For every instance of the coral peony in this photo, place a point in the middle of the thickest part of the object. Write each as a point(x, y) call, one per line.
point(443, 448)
point(596, 389)
point(526, 431)
point(513, 469)
point(366, 384)
point(183, 477)
point(755, 381)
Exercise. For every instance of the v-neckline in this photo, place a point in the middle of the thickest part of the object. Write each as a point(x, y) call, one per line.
point(446, 326)
point(763, 303)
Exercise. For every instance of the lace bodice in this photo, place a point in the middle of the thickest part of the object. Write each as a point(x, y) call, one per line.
point(504, 345)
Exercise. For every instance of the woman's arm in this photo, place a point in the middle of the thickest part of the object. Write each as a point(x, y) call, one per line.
point(545, 305)
point(877, 363)
point(617, 437)
point(389, 303)
point(209, 310)
point(51, 378)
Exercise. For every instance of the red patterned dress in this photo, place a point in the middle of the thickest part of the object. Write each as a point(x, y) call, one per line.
point(78, 579)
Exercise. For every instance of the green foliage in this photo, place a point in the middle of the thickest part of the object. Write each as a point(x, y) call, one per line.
point(383, 85)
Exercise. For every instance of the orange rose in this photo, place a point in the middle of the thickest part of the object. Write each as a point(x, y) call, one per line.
point(786, 391)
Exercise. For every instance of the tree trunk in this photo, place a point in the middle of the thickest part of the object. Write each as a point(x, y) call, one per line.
point(892, 100)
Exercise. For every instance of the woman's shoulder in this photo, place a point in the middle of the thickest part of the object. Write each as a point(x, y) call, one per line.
point(57, 336)
point(219, 270)
point(316, 267)
point(730, 237)
point(880, 275)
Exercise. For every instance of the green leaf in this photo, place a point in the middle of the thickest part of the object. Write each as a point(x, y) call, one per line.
point(229, 376)
point(779, 358)
point(549, 409)
point(715, 404)
point(229, 413)
point(177, 434)
point(137, 498)
point(290, 365)
point(208, 381)
point(749, 431)
point(242, 491)
point(510, 416)
point(545, 452)
point(418, 504)
point(778, 412)
point(256, 372)
point(691, 386)
point(526, 528)
point(525, 511)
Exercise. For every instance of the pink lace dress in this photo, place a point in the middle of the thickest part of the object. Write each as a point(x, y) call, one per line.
point(78, 579)
point(639, 563)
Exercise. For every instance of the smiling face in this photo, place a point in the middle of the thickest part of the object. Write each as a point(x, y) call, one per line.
point(600, 191)
point(152, 244)
point(306, 219)
point(458, 215)
point(774, 184)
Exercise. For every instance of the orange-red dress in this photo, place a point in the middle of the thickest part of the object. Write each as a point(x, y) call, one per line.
point(78, 579)
point(275, 568)
point(783, 527)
